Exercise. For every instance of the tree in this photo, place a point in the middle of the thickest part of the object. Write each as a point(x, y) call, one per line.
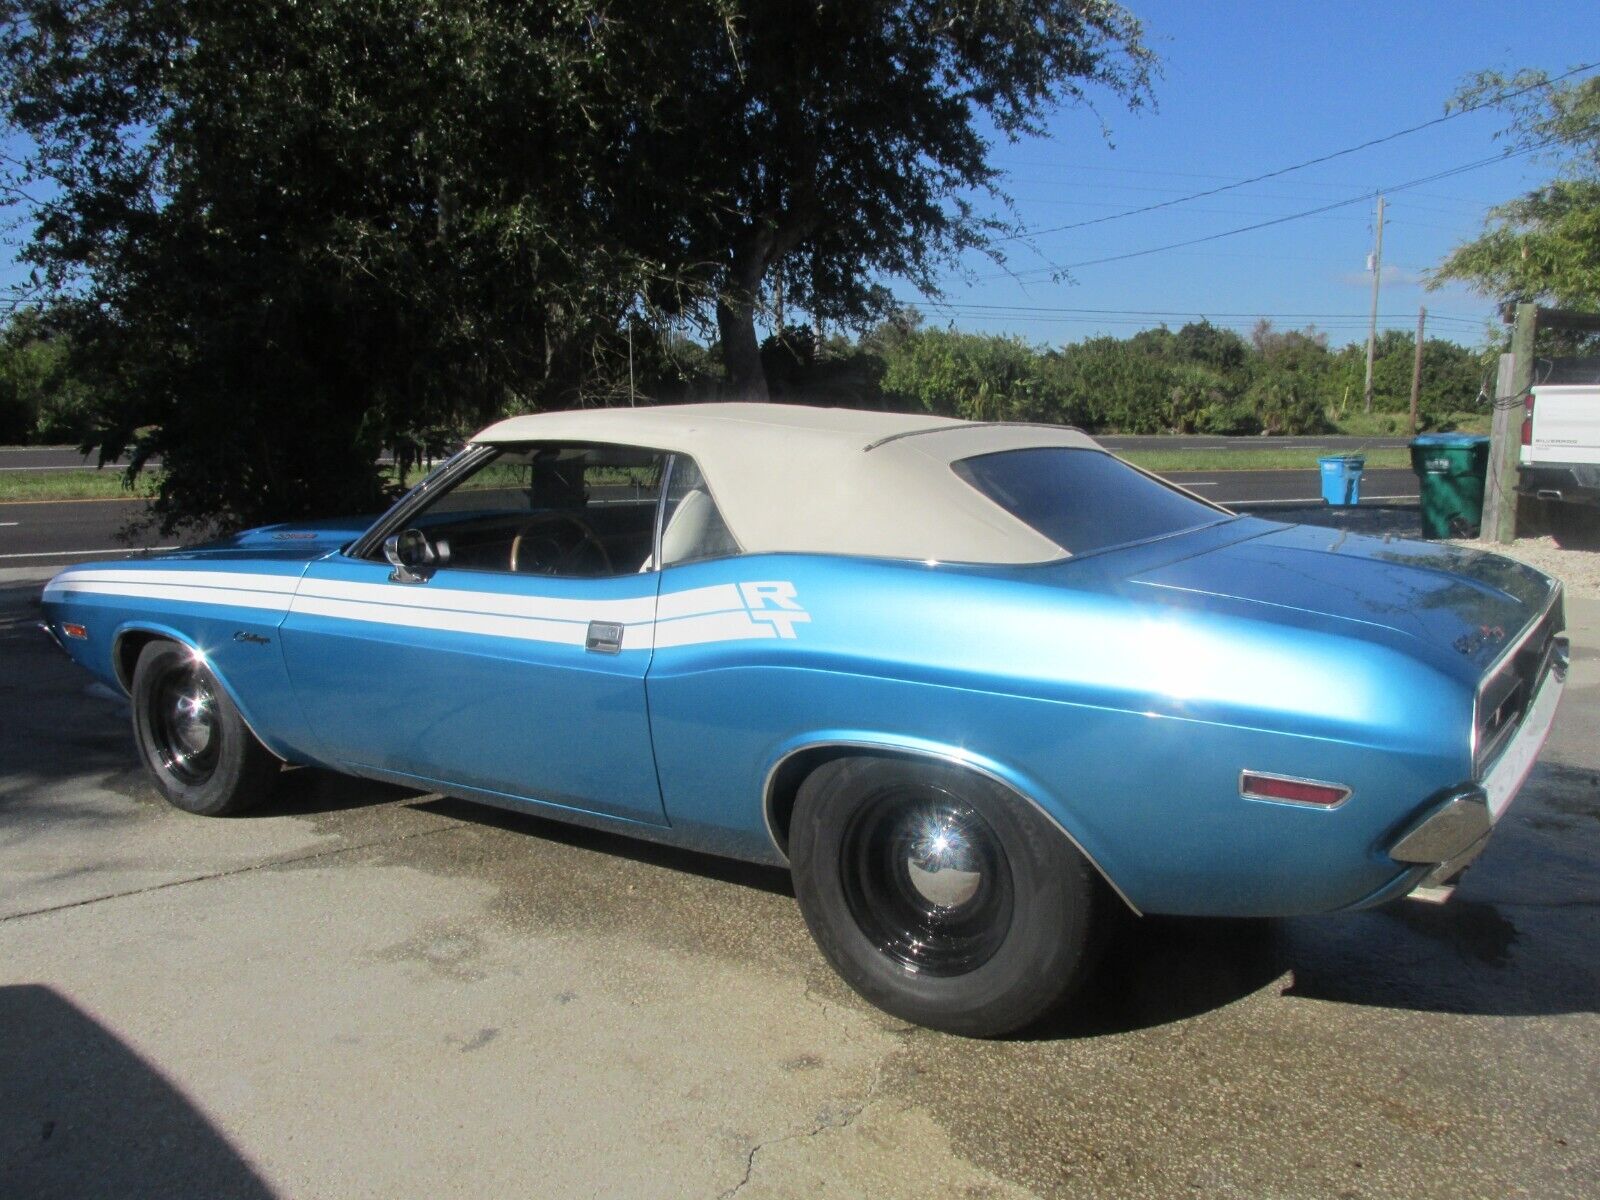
point(835, 145)
point(1543, 247)
point(280, 235)
point(41, 400)
point(283, 234)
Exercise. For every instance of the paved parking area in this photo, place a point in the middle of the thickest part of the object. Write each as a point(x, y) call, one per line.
point(365, 992)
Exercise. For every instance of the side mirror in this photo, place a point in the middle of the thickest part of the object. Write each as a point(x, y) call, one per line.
point(412, 558)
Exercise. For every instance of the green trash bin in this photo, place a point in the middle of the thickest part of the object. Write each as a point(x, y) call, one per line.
point(1450, 468)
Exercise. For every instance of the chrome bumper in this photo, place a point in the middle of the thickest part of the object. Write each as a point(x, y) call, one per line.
point(1455, 831)
point(49, 631)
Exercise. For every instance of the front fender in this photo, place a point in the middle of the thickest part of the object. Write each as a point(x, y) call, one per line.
point(121, 667)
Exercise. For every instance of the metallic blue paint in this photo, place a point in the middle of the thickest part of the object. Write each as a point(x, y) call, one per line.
point(1121, 692)
point(521, 718)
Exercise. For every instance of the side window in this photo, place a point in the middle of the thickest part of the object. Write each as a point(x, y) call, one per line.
point(693, 528)
point(559, 509)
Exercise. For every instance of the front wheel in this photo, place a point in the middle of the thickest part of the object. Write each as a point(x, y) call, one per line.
point(194, 743)
point(940, 896)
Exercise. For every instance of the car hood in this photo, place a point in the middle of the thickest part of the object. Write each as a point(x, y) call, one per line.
point(292, 541)
point(1464, 606)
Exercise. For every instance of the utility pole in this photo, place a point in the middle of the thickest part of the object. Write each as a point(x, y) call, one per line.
point(1503, 455)
point(1377, 274)
point(1416, 369)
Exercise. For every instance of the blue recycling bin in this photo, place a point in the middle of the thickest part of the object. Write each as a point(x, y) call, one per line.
point(1341, 478)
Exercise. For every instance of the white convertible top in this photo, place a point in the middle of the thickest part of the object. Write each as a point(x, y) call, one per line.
point(789, 478)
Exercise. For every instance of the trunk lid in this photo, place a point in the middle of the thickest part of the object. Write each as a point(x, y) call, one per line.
point(1464, 607)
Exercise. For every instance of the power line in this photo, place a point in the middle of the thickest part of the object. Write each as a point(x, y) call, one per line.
point(1184, 312)
point(1310, 212)
point(1310, 162)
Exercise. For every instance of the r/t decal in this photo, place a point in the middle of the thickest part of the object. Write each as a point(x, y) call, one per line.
point(774, 604)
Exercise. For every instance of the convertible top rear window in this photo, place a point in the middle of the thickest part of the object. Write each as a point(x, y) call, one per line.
point(1083, 500)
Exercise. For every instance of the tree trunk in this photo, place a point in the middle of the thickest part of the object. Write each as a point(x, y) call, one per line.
point(741, 353)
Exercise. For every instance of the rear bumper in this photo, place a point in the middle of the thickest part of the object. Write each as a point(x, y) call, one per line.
point(1455, 830)
point(1574, 483)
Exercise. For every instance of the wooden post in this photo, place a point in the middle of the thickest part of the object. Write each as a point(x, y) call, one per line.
point(1504, 453)
point(1416, 370)
point(1499, 432)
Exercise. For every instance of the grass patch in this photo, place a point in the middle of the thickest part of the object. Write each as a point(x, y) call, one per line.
point(73, 485)
point(1284, 458)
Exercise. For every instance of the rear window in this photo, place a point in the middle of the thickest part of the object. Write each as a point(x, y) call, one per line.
point(1083, 500)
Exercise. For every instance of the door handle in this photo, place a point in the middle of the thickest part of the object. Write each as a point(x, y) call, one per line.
point(604, 637)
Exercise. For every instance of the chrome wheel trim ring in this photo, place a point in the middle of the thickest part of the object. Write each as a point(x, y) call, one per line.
point(927, 881)
point(184, 724)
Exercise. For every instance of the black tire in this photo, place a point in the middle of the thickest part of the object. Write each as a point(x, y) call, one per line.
point(940, 896)
point(1574, 526)
point(197, 748)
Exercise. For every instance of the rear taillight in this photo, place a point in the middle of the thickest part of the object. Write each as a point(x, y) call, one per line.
point(1527, 420)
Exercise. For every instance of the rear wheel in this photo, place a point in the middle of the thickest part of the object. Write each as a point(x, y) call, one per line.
point(197, 748)
point(940, 896)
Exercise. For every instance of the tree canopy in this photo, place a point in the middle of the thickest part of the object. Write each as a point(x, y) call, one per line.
point(279, 235)
point(1542, 247)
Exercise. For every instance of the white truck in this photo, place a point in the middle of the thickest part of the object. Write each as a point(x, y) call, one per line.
point(1560, 459)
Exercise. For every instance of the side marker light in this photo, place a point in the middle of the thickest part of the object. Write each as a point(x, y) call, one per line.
point(1253, 785)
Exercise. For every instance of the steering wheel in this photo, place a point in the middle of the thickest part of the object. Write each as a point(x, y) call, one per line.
point(543, 547)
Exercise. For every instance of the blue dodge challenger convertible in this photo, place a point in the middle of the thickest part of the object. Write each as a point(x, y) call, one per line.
point(973, 683)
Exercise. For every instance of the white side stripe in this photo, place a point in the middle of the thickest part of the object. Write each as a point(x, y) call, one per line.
point(241, 580)
point(723, 597)
point(721, 613)
point(532, 629)
point(233, 597)
point(711, 627)
point(553, 608)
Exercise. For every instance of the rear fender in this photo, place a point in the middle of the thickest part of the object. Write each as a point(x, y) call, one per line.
point(800, 755)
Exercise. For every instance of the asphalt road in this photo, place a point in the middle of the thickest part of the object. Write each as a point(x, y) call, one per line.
point(56, 458)
point(1167, 441)
point(57, 532)
point(44, 458)
point(363, 992)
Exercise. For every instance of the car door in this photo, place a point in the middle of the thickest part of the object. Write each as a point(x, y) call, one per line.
point(504, 650)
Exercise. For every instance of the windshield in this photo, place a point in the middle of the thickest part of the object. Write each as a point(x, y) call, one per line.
point(1084, 500)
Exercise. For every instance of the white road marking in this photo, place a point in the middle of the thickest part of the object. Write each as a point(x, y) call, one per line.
point(81, 553)
point(1201, 483)
point(8, 524)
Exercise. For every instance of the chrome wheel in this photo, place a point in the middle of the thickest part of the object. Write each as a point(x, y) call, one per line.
point(927, 881)
point(185, 724)
point(198, 750)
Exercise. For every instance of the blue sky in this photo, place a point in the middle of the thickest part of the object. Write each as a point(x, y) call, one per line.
point(1246, 88)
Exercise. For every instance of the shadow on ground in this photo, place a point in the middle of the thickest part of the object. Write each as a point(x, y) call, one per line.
point(82, 1115)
